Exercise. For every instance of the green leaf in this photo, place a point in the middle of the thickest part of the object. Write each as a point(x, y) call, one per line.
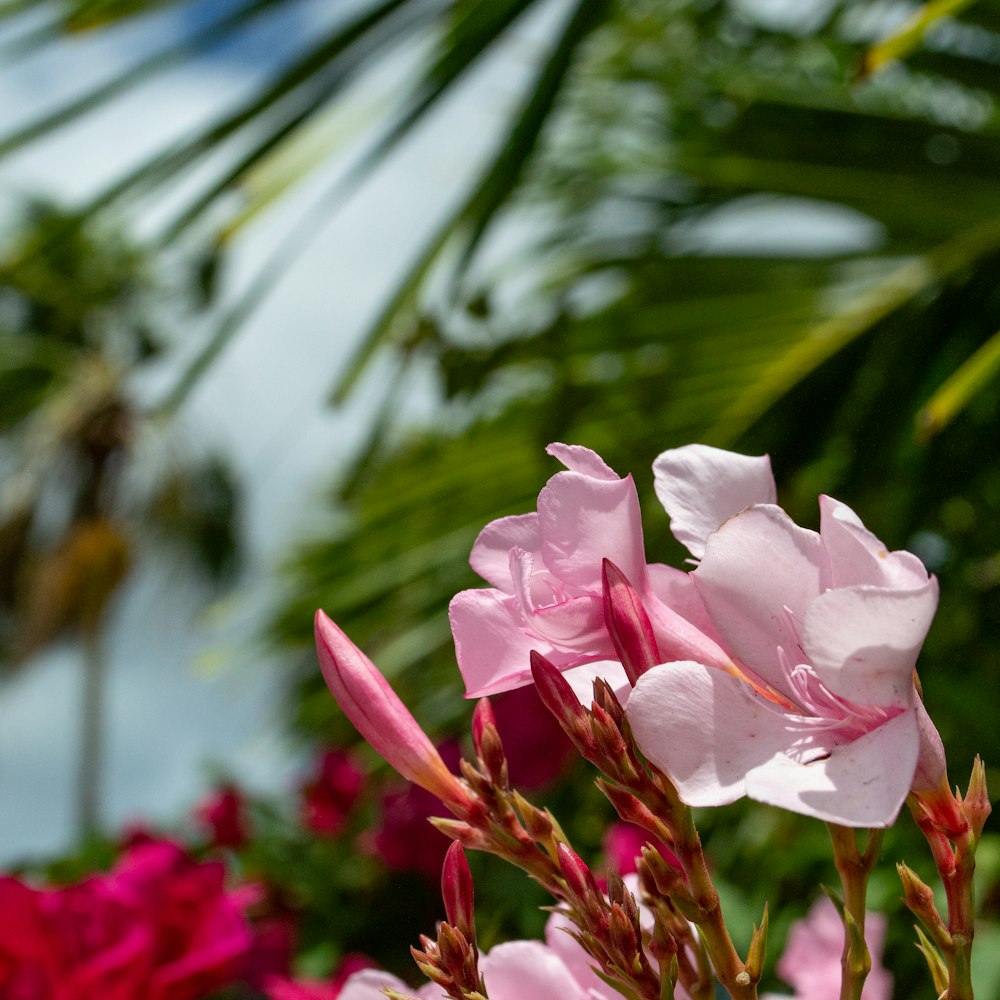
point(954, 394)
point(904, 40)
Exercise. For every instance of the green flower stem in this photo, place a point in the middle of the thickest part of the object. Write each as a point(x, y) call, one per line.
point(854, 867)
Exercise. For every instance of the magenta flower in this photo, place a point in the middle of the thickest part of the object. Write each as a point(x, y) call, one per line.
point(224, 815)
point(547, 594)
point(331, 793)
point(822, 717)
point(405, 840)
point(158, 927)
point(810, 963)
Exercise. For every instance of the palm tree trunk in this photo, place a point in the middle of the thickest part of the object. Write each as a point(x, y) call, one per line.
point(91, 735)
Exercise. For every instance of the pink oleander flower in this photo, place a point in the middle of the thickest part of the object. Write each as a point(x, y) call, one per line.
point(517, 970)
point(380, 717)
point(546, 571)
point(331, 793)
point(810, 963)
point(224, 816)
point(158, 927)
point(825, 626)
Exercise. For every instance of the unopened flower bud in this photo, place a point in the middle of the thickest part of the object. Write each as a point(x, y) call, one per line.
point(454, 951)
point(457, 891)
point(627, 623)
point(559, 699)
point(493, 759)
point(977, 800)
point(381, 718)
point(623, 934)
point(582, 889)
point(482, 716)
point(919, 899)
point(658, 877)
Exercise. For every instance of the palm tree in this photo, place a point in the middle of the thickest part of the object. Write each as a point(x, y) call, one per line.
point(77, 325)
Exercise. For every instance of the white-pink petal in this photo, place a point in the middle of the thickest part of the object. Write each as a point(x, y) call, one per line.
point(583, 521)
point(492, 650)
point(862, 783)
point(758, 577)
point(705, 729)
point(863, 641)
point(577, 458)
point(581, 680)
point(518, 970)
point(701, 487)
point(369, 983)
point(490, 553)
point(853, 555)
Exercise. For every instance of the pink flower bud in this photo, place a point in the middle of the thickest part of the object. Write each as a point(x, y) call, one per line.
point(628, 624)
point(380, 717)
point(559, 699)
point(482, 716)
point(457, 891)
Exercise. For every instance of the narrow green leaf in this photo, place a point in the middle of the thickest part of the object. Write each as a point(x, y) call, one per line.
point(168, 56)
point(903, 41)
point(956, 391)
point(826, 338)
point(485, 197)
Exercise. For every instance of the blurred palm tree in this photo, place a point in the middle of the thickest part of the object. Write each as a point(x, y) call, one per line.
point(78, 312)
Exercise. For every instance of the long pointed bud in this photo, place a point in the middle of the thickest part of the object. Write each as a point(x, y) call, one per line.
point(457, 891)
point(380, 717)
point(628, 624)
point(559, 699)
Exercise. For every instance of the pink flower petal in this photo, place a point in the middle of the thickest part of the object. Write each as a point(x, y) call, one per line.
point(576, 458)
point(491, 551)
point(521, 969)
point(863, 641)
point(758, 577)
point(585, 520)
point(581, 680)
point(862, 783)
point(676, 589)
point(490, 644)
point(368, 985)
point(701, 487)
point(705, 729)
point(855, 556)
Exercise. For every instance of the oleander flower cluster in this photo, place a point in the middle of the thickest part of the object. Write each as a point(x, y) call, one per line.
point(780, 666)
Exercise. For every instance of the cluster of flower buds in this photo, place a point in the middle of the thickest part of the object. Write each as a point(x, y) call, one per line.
point(782, 668)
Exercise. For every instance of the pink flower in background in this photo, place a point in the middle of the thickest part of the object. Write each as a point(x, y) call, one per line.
point(810, 963)
point(826, 627)
point(537, 749)
point(517, 970)
point(158, 927)
point(279, 988)
point(623, 844)
point(545, 569)
point(224, 815)
point(404, 840)
point(330, 795)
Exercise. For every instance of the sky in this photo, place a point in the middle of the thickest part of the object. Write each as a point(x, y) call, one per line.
point(190, 692)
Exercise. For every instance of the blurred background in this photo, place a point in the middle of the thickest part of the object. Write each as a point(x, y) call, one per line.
point(293, 294)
